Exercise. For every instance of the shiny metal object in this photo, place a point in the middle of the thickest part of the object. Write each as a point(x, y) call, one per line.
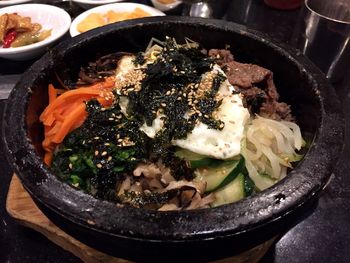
point(197, 8)
point(325, 36)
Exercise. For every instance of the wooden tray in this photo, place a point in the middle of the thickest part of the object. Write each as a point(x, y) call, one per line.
point(22, 208)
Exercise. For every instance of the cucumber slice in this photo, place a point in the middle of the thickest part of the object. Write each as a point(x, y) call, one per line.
point(232, 192)
point(248, 185)
point(197, 160)
point(188, 155)
point(218, 177)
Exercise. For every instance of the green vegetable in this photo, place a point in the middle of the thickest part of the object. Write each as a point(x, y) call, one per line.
point(232, 192)
point(76, 180)
point(249, 185)
point(197, 160)
point(219, 176)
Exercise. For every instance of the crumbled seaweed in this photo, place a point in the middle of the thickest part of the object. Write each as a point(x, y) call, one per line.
point(139, 59)
point(144, 199)
point(217, 81)
point(153, 199)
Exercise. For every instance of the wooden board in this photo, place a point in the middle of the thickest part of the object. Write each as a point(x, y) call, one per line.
point(22, 208)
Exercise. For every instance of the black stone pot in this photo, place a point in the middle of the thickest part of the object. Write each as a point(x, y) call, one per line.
point(207, 234)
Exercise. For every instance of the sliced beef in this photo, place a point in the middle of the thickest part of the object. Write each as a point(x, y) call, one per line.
point(222, 55)
point(276, 110)
point(255, 83)
point(245, 76)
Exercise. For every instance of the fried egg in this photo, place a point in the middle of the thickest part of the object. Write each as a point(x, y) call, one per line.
point(218, 144)
point(225, 143)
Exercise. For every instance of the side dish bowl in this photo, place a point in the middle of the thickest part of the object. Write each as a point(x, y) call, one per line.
point(93, 3)
point(50, 17)
point(12, 2)
point(199, 235)
point(165, 5)
point(117, 7)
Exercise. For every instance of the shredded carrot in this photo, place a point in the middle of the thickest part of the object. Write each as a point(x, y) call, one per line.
point(52, 93)
point(48, 158)
point(67, 111)
point(77, 114)
point(84, 92)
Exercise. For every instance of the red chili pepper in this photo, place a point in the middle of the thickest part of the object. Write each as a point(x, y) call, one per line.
point(9, 38)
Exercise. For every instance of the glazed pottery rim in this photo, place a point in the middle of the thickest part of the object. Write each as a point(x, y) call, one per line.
point(227, 220)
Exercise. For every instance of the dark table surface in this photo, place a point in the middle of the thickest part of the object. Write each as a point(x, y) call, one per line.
point(323, 235)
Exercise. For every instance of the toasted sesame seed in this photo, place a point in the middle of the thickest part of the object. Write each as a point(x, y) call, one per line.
point(120, 140)
point(70, 166)
point(109, 158)
point(99, 165)
point(168, 93)
point(111, 119)
point(108, 144)
point(90, 222)
point(104, 153)
point(163, 104)
point(96, 138)
point(96, 153)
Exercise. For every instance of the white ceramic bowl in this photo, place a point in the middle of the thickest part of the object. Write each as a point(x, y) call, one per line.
point(93, 3)
point(165, 7)
point(50, 17)
point(117, 7)
point(13, 2)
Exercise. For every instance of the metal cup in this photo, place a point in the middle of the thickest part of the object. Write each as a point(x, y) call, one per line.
point(197, 8)
point(325, 36)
